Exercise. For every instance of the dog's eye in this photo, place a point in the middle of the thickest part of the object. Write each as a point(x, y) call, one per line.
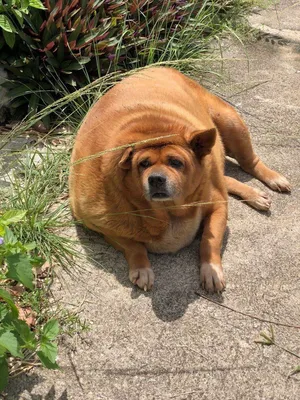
point(174, 163)
point(144, 164)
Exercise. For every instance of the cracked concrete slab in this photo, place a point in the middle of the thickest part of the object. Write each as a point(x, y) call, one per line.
point(281, 19)
point(172, 343)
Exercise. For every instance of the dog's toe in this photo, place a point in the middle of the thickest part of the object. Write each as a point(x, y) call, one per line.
point(142, 277)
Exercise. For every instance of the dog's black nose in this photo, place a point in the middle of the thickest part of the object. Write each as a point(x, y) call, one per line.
point(156, 181)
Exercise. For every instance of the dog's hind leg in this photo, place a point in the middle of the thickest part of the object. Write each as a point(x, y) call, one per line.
point(254, 197)
point(237, 142)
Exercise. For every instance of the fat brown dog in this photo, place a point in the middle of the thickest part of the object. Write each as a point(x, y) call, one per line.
point(167, 175)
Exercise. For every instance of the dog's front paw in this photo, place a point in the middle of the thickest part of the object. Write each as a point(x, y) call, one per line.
point(212, 277)
point(279, 183)
point(142, 277)
point(260, 200)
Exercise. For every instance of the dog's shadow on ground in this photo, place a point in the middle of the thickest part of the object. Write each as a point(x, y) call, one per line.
point(22, 384)
point(176, 275)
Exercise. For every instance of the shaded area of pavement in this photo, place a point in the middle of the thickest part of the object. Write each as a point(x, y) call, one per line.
point(171, 343)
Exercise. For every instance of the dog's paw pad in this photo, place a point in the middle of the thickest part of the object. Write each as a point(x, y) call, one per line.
point(279, 183)
point(212, 277)
point(261, 200)
point(142, 277)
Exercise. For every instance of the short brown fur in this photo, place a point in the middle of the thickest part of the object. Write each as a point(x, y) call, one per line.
point(111, 194)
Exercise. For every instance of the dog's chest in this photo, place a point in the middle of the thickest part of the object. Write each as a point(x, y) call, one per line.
point(180, 233)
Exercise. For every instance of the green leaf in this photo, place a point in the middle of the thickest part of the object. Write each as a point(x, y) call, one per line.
point(74, 66)
point(24, 5)
point(49, 349)
point(37, 261)
point(52, 61)
point(37, 4)
point(9, 237)
point(9, 301)
point(46, 362)
point(10, 38)
point(51, 329)
point(84, 60)
point(74, 35)
point(3, 351)
point(12, 216)
point(10, 342)
point(70, 80)
point(20, 269)
point(3, 311)
point(6, 24)
point(48, 354)
point(29, 246)
point(25, 333)
point(21, 91)
point(19, 16)
point(3, 373)
point(2, 230)
point(87, 38)
point(33, 105)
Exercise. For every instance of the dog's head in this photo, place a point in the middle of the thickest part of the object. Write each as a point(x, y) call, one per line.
point(170, 171)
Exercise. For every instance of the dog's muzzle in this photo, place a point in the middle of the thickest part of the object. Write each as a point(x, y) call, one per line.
point(158, 188)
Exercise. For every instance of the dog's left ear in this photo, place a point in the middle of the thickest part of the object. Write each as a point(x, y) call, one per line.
point(125, 162)
point(201, 142)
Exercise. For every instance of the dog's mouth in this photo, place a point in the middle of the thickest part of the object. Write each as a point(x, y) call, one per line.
point(159, 196)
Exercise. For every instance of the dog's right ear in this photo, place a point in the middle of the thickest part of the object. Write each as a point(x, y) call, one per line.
point(125, 162)
point(201, 142)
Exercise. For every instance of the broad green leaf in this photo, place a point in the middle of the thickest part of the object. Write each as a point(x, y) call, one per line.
point(5, 24)
point(3, 373)
point(10, 38)
point(51, 329)
point(49, 349)
point(2, 230)
point(3, 311)
point(9, 237)
point(25, 333)
point(7, 321)
point(10, 342)
point(36, 4)
point(52, 61)
point(4, 295)
point(3, 351)
point(29, 246)
point(24, 5)
point(48, 354)
point(45, 361)
point(12, 216)
point(20, 269)
point(18, 15)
